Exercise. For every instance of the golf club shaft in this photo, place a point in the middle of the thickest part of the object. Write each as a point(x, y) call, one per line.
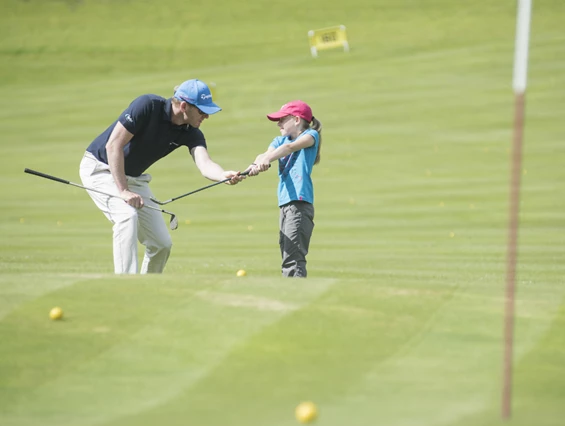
point(197, 190)
point(205, 187)
point(56, 179)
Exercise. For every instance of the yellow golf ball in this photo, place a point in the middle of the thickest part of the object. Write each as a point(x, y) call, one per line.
point(241, 273)
point(306, 412)
point(56, 313)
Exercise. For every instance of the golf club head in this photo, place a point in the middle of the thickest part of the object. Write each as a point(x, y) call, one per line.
point(174, 224)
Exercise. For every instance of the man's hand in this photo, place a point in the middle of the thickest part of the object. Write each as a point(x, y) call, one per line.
point(133, 199)
point(235, 177)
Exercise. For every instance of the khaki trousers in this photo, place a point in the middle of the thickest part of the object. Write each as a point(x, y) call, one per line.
point(130, 224)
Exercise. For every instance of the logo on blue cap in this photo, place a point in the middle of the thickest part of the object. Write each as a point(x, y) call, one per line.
point(197, 93)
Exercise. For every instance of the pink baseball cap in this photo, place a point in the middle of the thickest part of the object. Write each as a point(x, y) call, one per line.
point(297, 108)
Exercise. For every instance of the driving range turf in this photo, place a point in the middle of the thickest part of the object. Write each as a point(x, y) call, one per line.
point(400, 321)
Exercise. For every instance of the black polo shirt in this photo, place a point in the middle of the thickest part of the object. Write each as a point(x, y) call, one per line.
point(154, 135)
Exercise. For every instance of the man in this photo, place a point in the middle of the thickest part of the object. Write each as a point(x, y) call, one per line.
point(149, 129)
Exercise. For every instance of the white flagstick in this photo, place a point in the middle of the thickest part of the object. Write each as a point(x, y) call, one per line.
point(519, 86)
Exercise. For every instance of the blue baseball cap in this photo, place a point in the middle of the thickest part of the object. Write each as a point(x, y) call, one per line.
point(197, 93)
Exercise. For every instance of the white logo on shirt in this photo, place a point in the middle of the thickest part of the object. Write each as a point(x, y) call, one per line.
point(128, 118)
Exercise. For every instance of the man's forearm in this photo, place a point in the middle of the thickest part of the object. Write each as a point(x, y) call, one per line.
point(212, 171)
point(117, 168)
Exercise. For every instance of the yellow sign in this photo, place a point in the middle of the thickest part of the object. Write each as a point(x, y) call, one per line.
point(328, 38)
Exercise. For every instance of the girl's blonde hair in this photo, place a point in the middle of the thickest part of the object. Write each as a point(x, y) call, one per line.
point(316, 125)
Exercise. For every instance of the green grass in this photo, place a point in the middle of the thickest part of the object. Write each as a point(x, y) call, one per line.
point(400, 321)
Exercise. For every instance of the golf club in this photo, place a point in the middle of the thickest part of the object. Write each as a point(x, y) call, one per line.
point(173, 223)
point(162, 203)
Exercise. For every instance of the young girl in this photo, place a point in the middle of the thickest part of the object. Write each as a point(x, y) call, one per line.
point(297, 149)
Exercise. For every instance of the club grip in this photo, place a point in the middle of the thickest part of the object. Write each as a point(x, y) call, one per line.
point(43, 175)
point(247, 172)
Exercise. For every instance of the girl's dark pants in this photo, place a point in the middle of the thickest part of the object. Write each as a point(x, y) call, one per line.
point(296, 225)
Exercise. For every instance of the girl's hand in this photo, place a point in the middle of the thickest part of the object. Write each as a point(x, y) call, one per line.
point(251, 170)
point(262, 163)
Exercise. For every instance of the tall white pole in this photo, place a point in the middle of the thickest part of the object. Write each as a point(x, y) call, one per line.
point(519, 85)
point(521, 46)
